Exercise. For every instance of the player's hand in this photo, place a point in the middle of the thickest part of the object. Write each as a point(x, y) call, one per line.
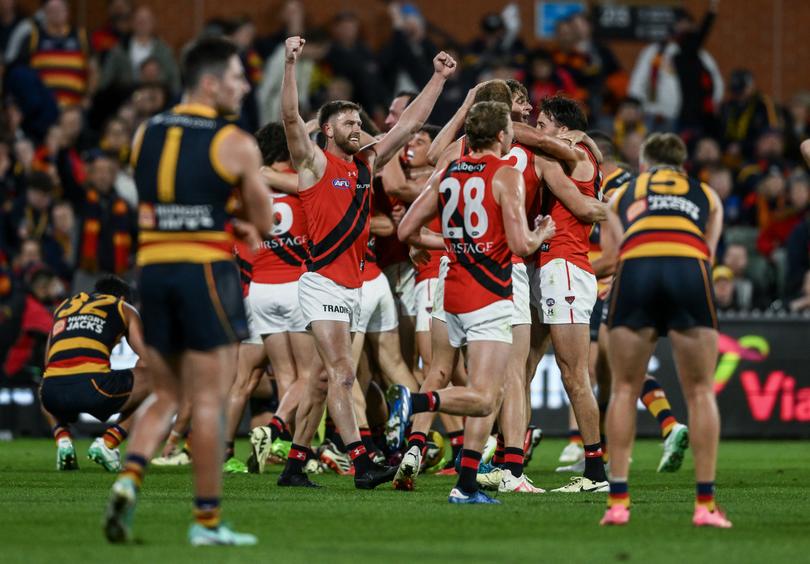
point(544, 227)
point(574, 136)
point(419, 256)
point(397, 213)
point(247, 232)
point(444, 64)
point(293, 47)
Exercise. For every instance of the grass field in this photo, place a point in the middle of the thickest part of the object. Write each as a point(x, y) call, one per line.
point(47, 516)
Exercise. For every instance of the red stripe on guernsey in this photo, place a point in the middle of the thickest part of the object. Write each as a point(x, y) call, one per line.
point(623, 495)
point(665, 237)
point(467, 462)
point(593, 454)
point(513, 458)
point(572, 239)
point(705, 498)
point(77, 360)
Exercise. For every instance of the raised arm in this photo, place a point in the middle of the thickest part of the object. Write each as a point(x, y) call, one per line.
point(585, 209)
point(550, 145)
point(509, 189)
point(448, 133)
point(396, 184)
point(423, 209)
point(417, 112)
point(306, 157)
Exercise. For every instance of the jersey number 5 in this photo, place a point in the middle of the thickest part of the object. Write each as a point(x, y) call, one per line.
point(476, 221)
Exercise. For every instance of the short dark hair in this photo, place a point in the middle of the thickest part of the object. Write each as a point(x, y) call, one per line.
point(564, 111)
point(431, 130)
point(515, 87)
point(114, 286)
point(494, 91)
point(272, 143)
point(663, 149)
point(330, 109)
point(484, 121)
point(410, 94)
point(209, 55)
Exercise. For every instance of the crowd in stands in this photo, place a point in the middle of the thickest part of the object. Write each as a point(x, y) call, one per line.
point(72, 98)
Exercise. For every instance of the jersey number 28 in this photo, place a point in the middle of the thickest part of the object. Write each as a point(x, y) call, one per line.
point(475, 215)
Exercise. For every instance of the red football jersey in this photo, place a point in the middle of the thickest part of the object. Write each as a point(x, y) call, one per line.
point(572, 238)
point(390, 250)
point(521, 158)
point(472, 225)
point(279, 258)
point(431, 269)
point(337, 217)
point(243, 256)
point(371, 269)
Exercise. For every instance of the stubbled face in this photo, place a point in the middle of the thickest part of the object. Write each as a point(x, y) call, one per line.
point(344, 129)
point(417, 149)
point(231, 87)
point(521, 107)
point(395, 110)
point(506, 140)
point(546, 124)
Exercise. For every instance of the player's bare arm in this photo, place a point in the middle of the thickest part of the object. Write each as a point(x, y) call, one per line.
point(279, 181)
point(424, 208)
point(397, 185)
point(714, 225)
point(382, 225)
point(446, 136)
point(585, 209)
point(550, 145)
point(510, 192)
point(307, 158)
point(417, 112)
point(576, 136)
point(805, 148)
point(135, 331)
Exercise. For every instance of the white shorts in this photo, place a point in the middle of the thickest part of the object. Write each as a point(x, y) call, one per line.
point(323, 299)
point(276, 308)
point(402, 279)
point(438, 298)
point(490, 323)
point(563, 293)
point(521, 295)
point(425, 292)
point(378, 311)
point(255, 337)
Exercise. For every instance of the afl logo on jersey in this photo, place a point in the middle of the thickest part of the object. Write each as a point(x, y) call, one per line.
point(341, 184)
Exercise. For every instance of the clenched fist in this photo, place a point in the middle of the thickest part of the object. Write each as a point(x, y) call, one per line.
point(293, 47)
point(444, 64)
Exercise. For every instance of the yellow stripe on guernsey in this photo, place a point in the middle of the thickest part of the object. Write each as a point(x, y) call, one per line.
point(167, 171)
point(77, 343)
point(83, 368)
point(665, 223)
point(661, 249)
point(195, 247)
point(59, 60)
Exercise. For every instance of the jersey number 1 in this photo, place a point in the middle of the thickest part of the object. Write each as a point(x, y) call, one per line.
point(476, 221)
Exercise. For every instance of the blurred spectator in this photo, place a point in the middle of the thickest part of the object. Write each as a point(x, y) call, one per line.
point(115, 29)
point(293, 22)
point(499, 43)
point(115, 139)
point(406, 62)
point(60, 244)
point(798, 257)
point(401, 101)
point(10, 17)
point(30, 255)
point(678, 81)
point(30, 105)
point(768, 157)
point(122, 70)
point(349, 57)
point(30, 217)
point(148, 99)
point(735, 260)
point(26, 329)
point(705, 156)
point(629, 119)
point(630, 148)
point(802, 303)
point(797, 128)
point(725, 291)
point(108, 227)
point(746, 115)
point(785, 220)
point(546, 78)
point(242, 32)
point(722, 181)
point(60, 54)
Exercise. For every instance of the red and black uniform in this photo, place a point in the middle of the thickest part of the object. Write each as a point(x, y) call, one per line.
point(521, 158)
point(480, 270)
point(571, 240)
point(243, 256)
point(279, 259)
point(431, 269)
point(337, 213)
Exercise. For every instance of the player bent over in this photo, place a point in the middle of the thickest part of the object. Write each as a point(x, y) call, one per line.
point(481, 203)
point(78, 378)
point(671, 224)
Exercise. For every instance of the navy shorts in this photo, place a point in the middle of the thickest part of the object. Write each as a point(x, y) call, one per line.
point(664, 293)
point(189, 306)
point(596, 319)
point(100, 394)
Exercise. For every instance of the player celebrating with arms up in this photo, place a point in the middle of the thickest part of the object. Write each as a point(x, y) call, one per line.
point(335, 189)
point(481, 203)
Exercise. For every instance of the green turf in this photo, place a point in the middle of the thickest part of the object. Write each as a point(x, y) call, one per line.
point(48, 516)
